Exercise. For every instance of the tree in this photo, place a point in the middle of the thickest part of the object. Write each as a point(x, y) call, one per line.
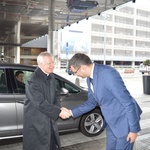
point(147, 64)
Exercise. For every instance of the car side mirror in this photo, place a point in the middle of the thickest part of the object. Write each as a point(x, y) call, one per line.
point(64, 91)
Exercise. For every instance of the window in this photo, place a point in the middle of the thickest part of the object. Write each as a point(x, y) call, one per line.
point(60, 84)
point(3, 85)
point(70, 88)
point(21, 77)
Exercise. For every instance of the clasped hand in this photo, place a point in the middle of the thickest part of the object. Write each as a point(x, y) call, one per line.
point(65, 113)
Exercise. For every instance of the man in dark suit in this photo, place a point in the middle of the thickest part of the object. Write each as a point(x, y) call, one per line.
point(107, 89)
point(19, 81)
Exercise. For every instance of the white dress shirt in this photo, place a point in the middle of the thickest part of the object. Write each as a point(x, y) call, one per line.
point(91, 76)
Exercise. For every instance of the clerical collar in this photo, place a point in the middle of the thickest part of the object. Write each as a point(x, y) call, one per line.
point(45, 72)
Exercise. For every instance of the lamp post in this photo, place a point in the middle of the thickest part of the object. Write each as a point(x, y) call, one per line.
point(104, 15)
point(67, 52)
point(104, 62)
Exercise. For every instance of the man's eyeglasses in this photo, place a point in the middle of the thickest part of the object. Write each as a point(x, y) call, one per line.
point(76, 71)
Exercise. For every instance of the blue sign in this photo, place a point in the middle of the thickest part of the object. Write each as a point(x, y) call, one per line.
point(67, 48)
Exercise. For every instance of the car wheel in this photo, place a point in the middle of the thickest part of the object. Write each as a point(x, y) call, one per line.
point(91, 123)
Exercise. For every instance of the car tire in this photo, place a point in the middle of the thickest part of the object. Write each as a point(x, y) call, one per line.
point(91, 123)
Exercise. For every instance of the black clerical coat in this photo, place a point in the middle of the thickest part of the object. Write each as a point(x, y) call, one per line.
point(41, 110)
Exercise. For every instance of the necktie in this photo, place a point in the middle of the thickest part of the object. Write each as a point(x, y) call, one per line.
point(91, 80)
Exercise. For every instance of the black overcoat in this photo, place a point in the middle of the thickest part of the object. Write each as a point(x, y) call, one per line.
point(41, 110)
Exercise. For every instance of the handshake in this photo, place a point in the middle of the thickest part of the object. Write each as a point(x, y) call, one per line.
point(65, 113)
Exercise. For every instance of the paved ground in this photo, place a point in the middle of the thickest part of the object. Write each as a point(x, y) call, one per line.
point(77, 141)
point(98, 143)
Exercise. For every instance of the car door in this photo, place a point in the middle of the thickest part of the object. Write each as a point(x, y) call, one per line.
point(19, 95)
point(8, 117)
point(74, 97)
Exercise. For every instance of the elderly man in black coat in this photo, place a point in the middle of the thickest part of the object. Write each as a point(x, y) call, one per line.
point(42, 109)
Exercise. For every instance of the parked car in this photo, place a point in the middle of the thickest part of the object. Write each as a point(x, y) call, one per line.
point(12, 101)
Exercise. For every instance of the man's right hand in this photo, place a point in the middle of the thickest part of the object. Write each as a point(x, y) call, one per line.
point(65, 113)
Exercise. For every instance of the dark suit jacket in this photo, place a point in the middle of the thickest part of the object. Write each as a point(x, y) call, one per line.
point(119, 108)
point(20, 87)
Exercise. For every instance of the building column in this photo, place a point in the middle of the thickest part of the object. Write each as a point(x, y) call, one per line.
point(133, 64)
point(50, 27)
point(112, 63)
point(134, 37)
point(16, 51)
point(113, 38)
point(58, 49)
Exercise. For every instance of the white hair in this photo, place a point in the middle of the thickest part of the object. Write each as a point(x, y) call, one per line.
point(40, 57)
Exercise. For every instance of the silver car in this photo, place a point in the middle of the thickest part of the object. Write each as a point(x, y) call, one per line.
point(12, 101)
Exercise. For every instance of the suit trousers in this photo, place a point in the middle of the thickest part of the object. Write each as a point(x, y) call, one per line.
point(114, 143)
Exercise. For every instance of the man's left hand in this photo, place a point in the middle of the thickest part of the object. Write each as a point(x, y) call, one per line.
point(132, 137)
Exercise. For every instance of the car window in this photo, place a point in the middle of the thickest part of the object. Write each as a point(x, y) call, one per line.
point(60, 84)
point(3, 84)
point(21, 77)
point(70, 88)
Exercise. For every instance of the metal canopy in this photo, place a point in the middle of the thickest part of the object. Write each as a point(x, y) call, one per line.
point(34, 14)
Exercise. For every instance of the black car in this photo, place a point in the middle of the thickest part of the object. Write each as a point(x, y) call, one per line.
point(12, 101)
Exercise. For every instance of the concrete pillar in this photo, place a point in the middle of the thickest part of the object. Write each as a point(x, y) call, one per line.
point(133, 64)
point(134, 38)
point(17, 40)
point(50, 27)
point(111, 63)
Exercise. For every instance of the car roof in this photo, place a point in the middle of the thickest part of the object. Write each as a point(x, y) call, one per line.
point(22, 66)
point(10, 65)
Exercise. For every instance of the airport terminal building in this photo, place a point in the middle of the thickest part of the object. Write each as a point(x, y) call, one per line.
point(119, 37)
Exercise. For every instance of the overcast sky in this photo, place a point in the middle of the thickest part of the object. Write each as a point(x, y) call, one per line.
point(145, 3)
